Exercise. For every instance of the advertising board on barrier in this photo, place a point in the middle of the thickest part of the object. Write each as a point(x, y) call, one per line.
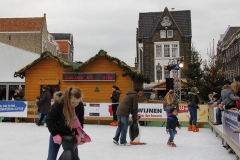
point(146, 110)
point(13, 109)
point(230, 123)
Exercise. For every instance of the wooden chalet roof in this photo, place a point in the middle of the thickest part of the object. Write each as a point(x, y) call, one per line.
point(134, 74)
point(21, 24)
point(149, 20)
point(162, 85)
point(129, 71)
point(63, 62)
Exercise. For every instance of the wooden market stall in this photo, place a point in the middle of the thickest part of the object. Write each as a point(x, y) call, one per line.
point(95, 77)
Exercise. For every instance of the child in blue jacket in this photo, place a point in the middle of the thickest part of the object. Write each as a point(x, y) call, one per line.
point(172, 123)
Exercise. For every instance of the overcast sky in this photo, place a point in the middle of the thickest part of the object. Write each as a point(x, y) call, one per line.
point(111, 24)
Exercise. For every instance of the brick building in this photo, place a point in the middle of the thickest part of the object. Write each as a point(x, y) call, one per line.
point(228, 52)
point(162, 36)
point(65, 41)
point(31, 34)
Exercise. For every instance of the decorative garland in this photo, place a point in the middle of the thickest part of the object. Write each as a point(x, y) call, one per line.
point(134, 74)
point(76, 66)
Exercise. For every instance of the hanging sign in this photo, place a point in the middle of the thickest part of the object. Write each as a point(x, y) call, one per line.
point(89, 76)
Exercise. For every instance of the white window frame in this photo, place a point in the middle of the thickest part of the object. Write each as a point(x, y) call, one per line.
point(170, 43)
point(158, 50)
point(169, 33)
point(163, 34)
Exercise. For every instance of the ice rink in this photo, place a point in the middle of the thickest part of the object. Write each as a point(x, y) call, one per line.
point(26, 141)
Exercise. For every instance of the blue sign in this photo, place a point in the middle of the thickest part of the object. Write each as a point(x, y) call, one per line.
point(12, 106)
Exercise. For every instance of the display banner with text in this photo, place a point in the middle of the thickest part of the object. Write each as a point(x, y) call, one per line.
point(230, 123)
point(146, 110)
point(13, 109)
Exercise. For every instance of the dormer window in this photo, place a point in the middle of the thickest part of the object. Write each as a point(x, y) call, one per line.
point(169, 33)
point(166, 33)
point(163, 33)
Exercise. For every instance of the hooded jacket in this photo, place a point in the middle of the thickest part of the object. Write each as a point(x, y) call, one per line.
point(129, 104)
point(228, 97)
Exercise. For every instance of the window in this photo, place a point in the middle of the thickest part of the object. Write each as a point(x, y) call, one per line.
point(174, 50)
point(158, 50)
point(166, 50)
point(162, 33)
point(167, 73)
point(170, 34)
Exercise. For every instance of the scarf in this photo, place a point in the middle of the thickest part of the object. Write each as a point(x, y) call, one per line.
point(81, 132)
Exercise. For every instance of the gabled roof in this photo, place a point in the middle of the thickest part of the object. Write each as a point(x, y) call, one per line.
point(21, 24)
point(63, 62)
point(134, 74)
point(229, 33)
point(62, 36)
point(149, 20)
point(129, 71)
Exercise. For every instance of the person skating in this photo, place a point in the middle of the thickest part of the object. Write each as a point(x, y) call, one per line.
point(115, 100)
point(44, 103)
point(172, 123)
point(192, 108)
point(128, 105)
point(63, 120)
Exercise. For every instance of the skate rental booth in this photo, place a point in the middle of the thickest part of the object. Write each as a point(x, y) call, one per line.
point(95, 77)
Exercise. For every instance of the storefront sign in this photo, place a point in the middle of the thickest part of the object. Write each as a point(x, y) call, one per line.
point(88, 76)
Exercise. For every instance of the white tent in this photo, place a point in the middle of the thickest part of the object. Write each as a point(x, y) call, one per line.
point(12, 60)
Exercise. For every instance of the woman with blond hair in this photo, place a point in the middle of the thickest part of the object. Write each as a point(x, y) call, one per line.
point(170, 101)
point(63, 120)
point(192, 108)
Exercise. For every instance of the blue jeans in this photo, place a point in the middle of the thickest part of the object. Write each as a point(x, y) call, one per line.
point(193, 115)
point(172, 134)
point(219, 115)
point(122, 129)
point(54, 148)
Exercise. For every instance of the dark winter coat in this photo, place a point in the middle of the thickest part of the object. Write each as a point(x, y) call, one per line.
point(129, 104)
point(115, 97)
point(193, 99)
point(80, 116)
point(45, 102)
point(172, 122)
point(56, 120)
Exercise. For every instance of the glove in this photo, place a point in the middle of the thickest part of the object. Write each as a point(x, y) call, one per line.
point(57, 139)
point(80, 140)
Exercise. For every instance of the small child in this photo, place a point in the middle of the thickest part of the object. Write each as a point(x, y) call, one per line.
point(172, 123)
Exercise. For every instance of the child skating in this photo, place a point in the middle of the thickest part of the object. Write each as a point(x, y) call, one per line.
point(172, 123)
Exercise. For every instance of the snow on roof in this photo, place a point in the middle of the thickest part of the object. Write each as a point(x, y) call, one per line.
point(13, 59)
